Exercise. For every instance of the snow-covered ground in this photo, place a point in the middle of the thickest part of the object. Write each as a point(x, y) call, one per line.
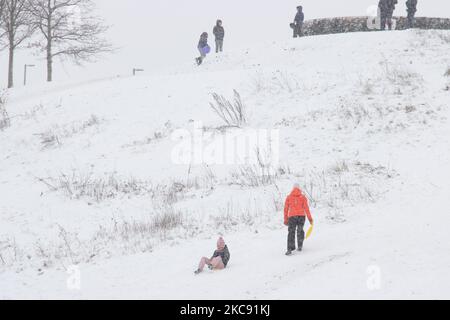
point(87, 177)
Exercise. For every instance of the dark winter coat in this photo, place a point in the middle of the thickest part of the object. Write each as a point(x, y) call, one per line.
point(224, 254)
point(391, 4)
point(411, 6)
point(384, 6)
point(203, 41)
point(299, 18)
point(219, 32)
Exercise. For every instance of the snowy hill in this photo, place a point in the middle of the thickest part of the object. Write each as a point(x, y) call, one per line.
point(88, 176)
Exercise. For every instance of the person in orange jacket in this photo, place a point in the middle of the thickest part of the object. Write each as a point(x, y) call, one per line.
point(296, 210)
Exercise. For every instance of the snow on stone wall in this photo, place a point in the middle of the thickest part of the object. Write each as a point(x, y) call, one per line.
point(357, 24)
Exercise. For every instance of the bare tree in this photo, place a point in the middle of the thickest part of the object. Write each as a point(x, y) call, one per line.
point(16, 26)
point(69, 29)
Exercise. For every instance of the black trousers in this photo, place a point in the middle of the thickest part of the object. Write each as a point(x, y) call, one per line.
point(296, 225)
point(383, 22)
point(298, 30)
point(411, 20)
point(219, 46)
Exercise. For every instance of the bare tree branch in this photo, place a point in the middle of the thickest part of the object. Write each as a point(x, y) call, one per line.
point(69, 30)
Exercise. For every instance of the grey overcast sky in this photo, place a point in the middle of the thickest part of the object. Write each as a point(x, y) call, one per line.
point(153, 34)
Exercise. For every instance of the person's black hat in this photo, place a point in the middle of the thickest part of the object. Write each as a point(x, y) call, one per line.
point(300, 7)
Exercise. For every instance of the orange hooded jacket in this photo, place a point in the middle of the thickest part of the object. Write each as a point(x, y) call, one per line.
point(296, 206)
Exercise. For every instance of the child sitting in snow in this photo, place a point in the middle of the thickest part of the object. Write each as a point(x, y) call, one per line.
point(218, 261)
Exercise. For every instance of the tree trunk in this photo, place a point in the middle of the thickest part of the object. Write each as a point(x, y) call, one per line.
point(49, 44)
point(49, 62)
point(11, 67)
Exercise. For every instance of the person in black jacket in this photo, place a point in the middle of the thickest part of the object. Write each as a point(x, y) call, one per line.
point(219, 33)
point(411, 8)
point(298, 22)
point(383, 7)
point(390, 13)
point(219, 259)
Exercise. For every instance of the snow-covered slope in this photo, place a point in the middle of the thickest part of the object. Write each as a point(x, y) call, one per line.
point(88, 177)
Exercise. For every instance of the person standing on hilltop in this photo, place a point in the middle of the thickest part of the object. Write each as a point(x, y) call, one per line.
point(411, 8)
point(298, 22)
point(296, 210)
point(390, 13)
point(383, 8)
point(219, 33)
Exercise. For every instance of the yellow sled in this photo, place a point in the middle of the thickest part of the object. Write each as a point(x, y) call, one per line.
point(310, 231)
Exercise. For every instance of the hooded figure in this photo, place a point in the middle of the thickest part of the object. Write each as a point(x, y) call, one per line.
point(202, 47)
point(219, 259)
point(219, 33)
point(298, 22)
point(411, 8)
point(296, 210)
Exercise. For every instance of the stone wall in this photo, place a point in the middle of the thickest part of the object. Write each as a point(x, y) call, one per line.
point(358, 24)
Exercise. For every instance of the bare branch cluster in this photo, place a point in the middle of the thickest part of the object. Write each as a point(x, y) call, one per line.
point(232, 113)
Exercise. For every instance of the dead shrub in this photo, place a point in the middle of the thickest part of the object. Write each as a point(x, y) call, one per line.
point(231, 113)
point(5, 120)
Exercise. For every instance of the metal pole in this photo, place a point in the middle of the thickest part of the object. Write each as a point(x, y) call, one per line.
point(135, 70)
point(25, 73)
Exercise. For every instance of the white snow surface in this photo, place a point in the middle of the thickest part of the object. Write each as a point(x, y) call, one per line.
point(364, 127)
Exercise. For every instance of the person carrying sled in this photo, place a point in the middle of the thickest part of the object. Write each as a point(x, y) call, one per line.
point(296, 210)
point(298, 22)
point(411, 8)
point(219, 259)
point(219, 33)
point(202, 47)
